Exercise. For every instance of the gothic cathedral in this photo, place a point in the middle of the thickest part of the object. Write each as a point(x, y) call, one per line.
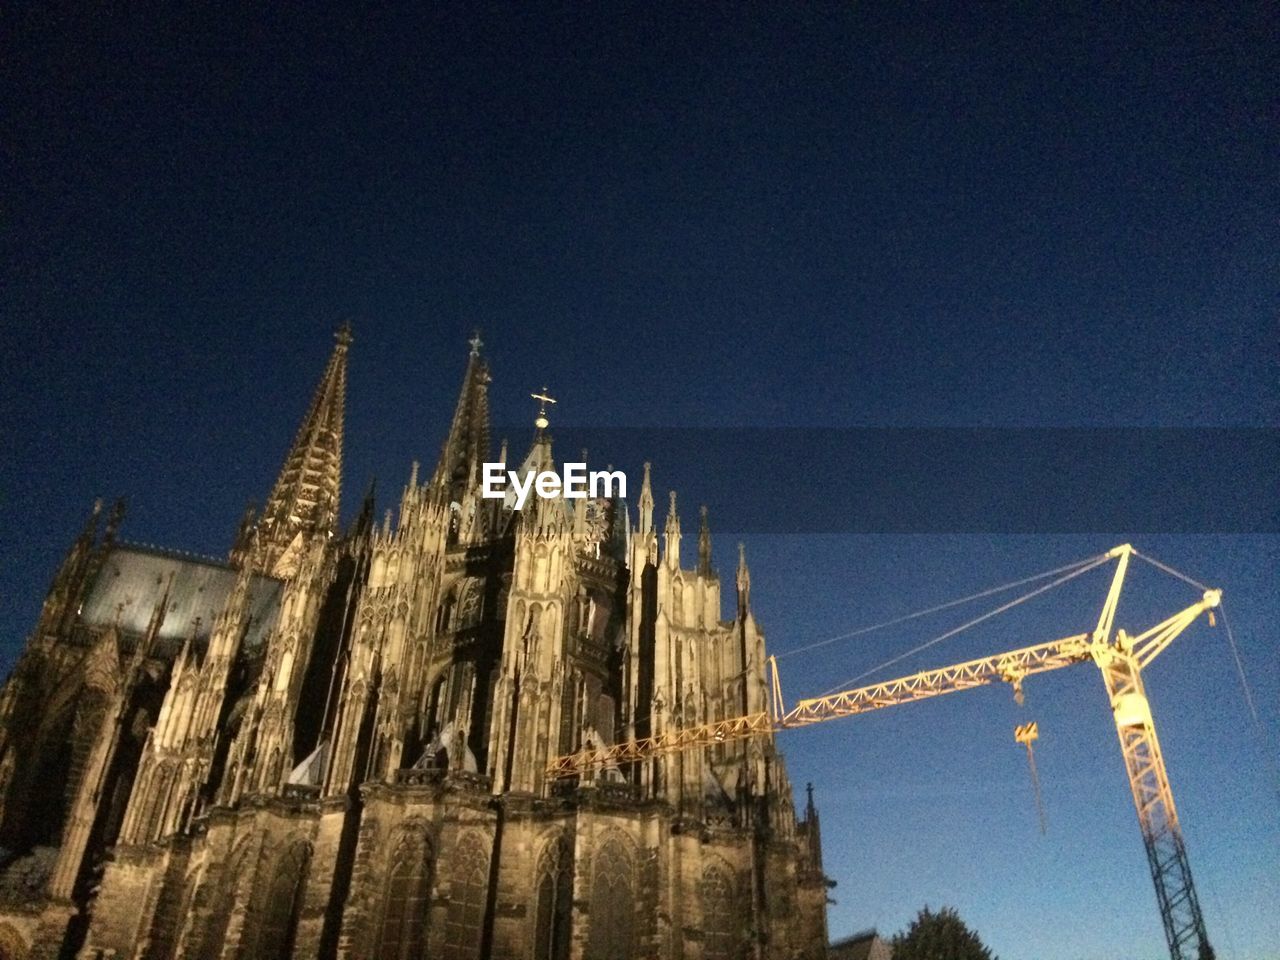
point(335, 744)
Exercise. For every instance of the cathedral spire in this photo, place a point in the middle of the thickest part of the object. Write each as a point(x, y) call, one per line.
point(467, 445)
point(364, 520)
point(646, 503)
point(671, 535)
point(305, 495)
point(744, 582)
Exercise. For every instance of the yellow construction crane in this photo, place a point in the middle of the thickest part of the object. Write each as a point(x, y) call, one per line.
point(1120, 658)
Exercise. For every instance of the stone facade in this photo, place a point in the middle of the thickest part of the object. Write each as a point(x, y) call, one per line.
point(335, 743)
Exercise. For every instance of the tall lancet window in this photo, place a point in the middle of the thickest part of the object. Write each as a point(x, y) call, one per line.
point(403, 933)
point(464, 922)
point(612, 909)
point(220, 888)
point(554, 877)
point(719, 917)
point(279, 902)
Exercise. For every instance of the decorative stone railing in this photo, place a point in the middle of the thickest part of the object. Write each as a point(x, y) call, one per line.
point(420, 776)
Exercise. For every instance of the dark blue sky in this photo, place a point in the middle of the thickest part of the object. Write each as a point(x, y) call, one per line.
point(828, 215)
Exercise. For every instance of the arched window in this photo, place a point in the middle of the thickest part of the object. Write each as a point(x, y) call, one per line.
point(403, 933)
point(541, 571)
point(151, 802)
point(469, 604)
point(279, 903)
point(612, 908)
point(719, 917)
point(216, 894)
point(552, 915)
point(444, 617)
point(464, 921)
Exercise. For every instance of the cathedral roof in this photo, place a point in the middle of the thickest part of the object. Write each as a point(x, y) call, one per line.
point(132, 581)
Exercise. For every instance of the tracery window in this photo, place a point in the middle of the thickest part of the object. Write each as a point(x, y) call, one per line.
point(552, 914)
point(612, 907)
point(279, 904)
point(403, 933)
point(464, 920)
point(719, 918)
point(469, 604)
point(215, 898)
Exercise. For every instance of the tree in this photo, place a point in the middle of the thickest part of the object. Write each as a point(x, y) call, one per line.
point(939, 936)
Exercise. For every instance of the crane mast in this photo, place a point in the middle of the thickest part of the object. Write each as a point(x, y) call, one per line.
point(1120, 660)
point(1121, 664)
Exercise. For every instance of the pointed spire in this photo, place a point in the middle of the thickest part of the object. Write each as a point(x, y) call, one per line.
point(646, 503)
point(813, 831)
point(671, 535)
point(580, 510)
point(88, 537)
point(364, 520)
point(114, 521)
point(744, 581)
point(305, 495)
point(704, 543)
point(244, 536)
point(467, 445)
point(157, 618)
point(59, 605)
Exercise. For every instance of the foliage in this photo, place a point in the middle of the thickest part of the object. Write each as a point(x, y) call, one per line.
point(939, 936)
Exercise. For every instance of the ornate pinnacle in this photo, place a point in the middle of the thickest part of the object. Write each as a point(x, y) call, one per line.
point(704, 543)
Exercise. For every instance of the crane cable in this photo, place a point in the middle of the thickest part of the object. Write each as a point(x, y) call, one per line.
point(1088, 565)
point(1090, 561)
point(1169, 570)
point(1249, 701)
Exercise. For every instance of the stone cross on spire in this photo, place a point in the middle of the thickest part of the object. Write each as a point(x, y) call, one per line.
point(541, 422)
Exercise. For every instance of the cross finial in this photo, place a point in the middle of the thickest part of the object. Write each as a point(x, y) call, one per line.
point(543, 399)
point(343, 334)
point(476, 343)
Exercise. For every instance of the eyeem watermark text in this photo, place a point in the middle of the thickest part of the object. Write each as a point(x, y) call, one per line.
point(574, 484)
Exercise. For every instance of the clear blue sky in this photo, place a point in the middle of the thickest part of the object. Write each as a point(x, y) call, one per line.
point(811, 215)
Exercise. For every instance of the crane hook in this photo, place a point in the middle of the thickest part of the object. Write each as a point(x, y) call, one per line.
point(1025, 734)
